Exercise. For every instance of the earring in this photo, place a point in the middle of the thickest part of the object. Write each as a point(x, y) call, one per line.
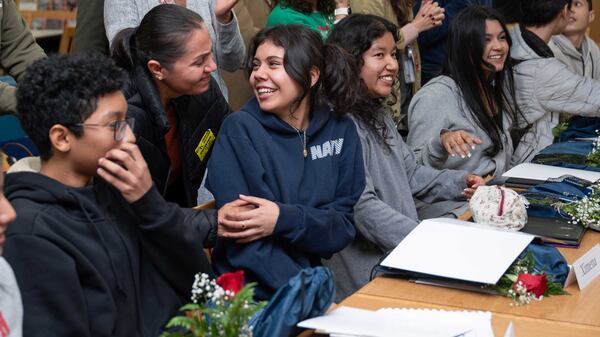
point(159, 77)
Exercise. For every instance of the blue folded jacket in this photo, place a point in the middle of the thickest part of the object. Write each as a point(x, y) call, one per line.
point(580, 127)
point(549, 260)
point(543, 197)
point(568, 154)
point(306, 295)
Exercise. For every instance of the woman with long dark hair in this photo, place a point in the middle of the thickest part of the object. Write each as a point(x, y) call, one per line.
point(400, 13)
point(177, 105)
point(386, 211)
point(290, 158)
point(462, 119)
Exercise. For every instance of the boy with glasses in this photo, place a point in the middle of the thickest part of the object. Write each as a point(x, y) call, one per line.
point(96, 249)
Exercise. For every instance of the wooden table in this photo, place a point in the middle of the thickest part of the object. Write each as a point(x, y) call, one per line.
point(577, 314)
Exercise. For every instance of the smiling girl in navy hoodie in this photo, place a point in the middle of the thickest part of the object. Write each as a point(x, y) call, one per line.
point(287, 169)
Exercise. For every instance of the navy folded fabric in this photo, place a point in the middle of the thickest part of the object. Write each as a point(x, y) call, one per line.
point(306, 295)
point(580, 127)
point(568, 154)
point(549, 260)
point(544, 197)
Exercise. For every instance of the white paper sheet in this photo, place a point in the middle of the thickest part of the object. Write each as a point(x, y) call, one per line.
point(459, 250)
point(543, 172)
point(474, 323)
point(346, 321)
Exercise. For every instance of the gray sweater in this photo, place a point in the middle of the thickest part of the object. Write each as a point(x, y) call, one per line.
point(228, 46)
point(385, 212)
point(584, 62)
point(439, 105)
point(11, 308)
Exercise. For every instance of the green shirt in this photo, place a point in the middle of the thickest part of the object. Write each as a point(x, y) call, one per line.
point(287, 16)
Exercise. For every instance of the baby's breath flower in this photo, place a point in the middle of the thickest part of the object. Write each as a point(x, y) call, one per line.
point(225, 314)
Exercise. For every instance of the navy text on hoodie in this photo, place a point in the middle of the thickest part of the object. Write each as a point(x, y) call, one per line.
point(258, 154)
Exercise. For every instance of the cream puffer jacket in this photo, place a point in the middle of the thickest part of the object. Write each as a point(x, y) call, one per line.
point(545, 87)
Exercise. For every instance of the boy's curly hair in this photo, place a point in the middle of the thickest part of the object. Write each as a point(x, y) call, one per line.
point(64, 89)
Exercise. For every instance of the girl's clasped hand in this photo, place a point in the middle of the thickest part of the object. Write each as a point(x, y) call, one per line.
point(247, 219)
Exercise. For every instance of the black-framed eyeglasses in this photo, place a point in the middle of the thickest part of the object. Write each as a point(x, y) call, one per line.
point(119, 127)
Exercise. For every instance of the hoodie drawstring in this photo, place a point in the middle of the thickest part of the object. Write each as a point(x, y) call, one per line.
point(94, 228)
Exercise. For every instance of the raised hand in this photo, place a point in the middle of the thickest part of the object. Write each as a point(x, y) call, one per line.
point(124, 167)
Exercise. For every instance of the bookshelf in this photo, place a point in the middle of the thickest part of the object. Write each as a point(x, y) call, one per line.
point(48, 14)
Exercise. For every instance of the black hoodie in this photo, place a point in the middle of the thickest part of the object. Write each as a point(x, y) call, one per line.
point(90, 264)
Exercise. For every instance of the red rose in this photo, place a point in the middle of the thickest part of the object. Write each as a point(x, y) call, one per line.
point(233, 282)
point(537, 284)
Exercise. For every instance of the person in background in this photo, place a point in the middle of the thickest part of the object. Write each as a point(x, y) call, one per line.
point(94, 238)
point(432, 43)
point(11, 308)
point(386, 211)
point(510, 9)
point(177, 106)
point(90, 34)
point(545, 87)
point(291, 157)
point(463, 118)
point(220, 21)
point(400, 13)
point(318, 15)
point(573, 47)
point(582, 56)
point(18, 50)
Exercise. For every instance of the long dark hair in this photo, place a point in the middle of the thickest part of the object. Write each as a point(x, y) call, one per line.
point(356, 33)
point(161, 36)
point(326, 7)
point(488, 98)
point(401, 9)
point(304, 49)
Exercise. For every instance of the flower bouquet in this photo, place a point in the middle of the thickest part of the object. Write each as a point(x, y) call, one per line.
point(585, 211)
point(593, 158)
point(523, 284)
point(221, 307)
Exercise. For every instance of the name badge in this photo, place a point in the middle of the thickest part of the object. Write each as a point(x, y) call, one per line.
point(586, 268)
point(205, 144)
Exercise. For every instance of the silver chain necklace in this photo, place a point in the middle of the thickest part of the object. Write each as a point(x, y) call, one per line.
point(303, 140)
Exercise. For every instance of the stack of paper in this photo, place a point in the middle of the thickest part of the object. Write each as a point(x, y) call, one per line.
point(532, 174)
point(346, 321)
point(458, 250)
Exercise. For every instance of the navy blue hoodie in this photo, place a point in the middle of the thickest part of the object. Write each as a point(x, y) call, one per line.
point(258, 154)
